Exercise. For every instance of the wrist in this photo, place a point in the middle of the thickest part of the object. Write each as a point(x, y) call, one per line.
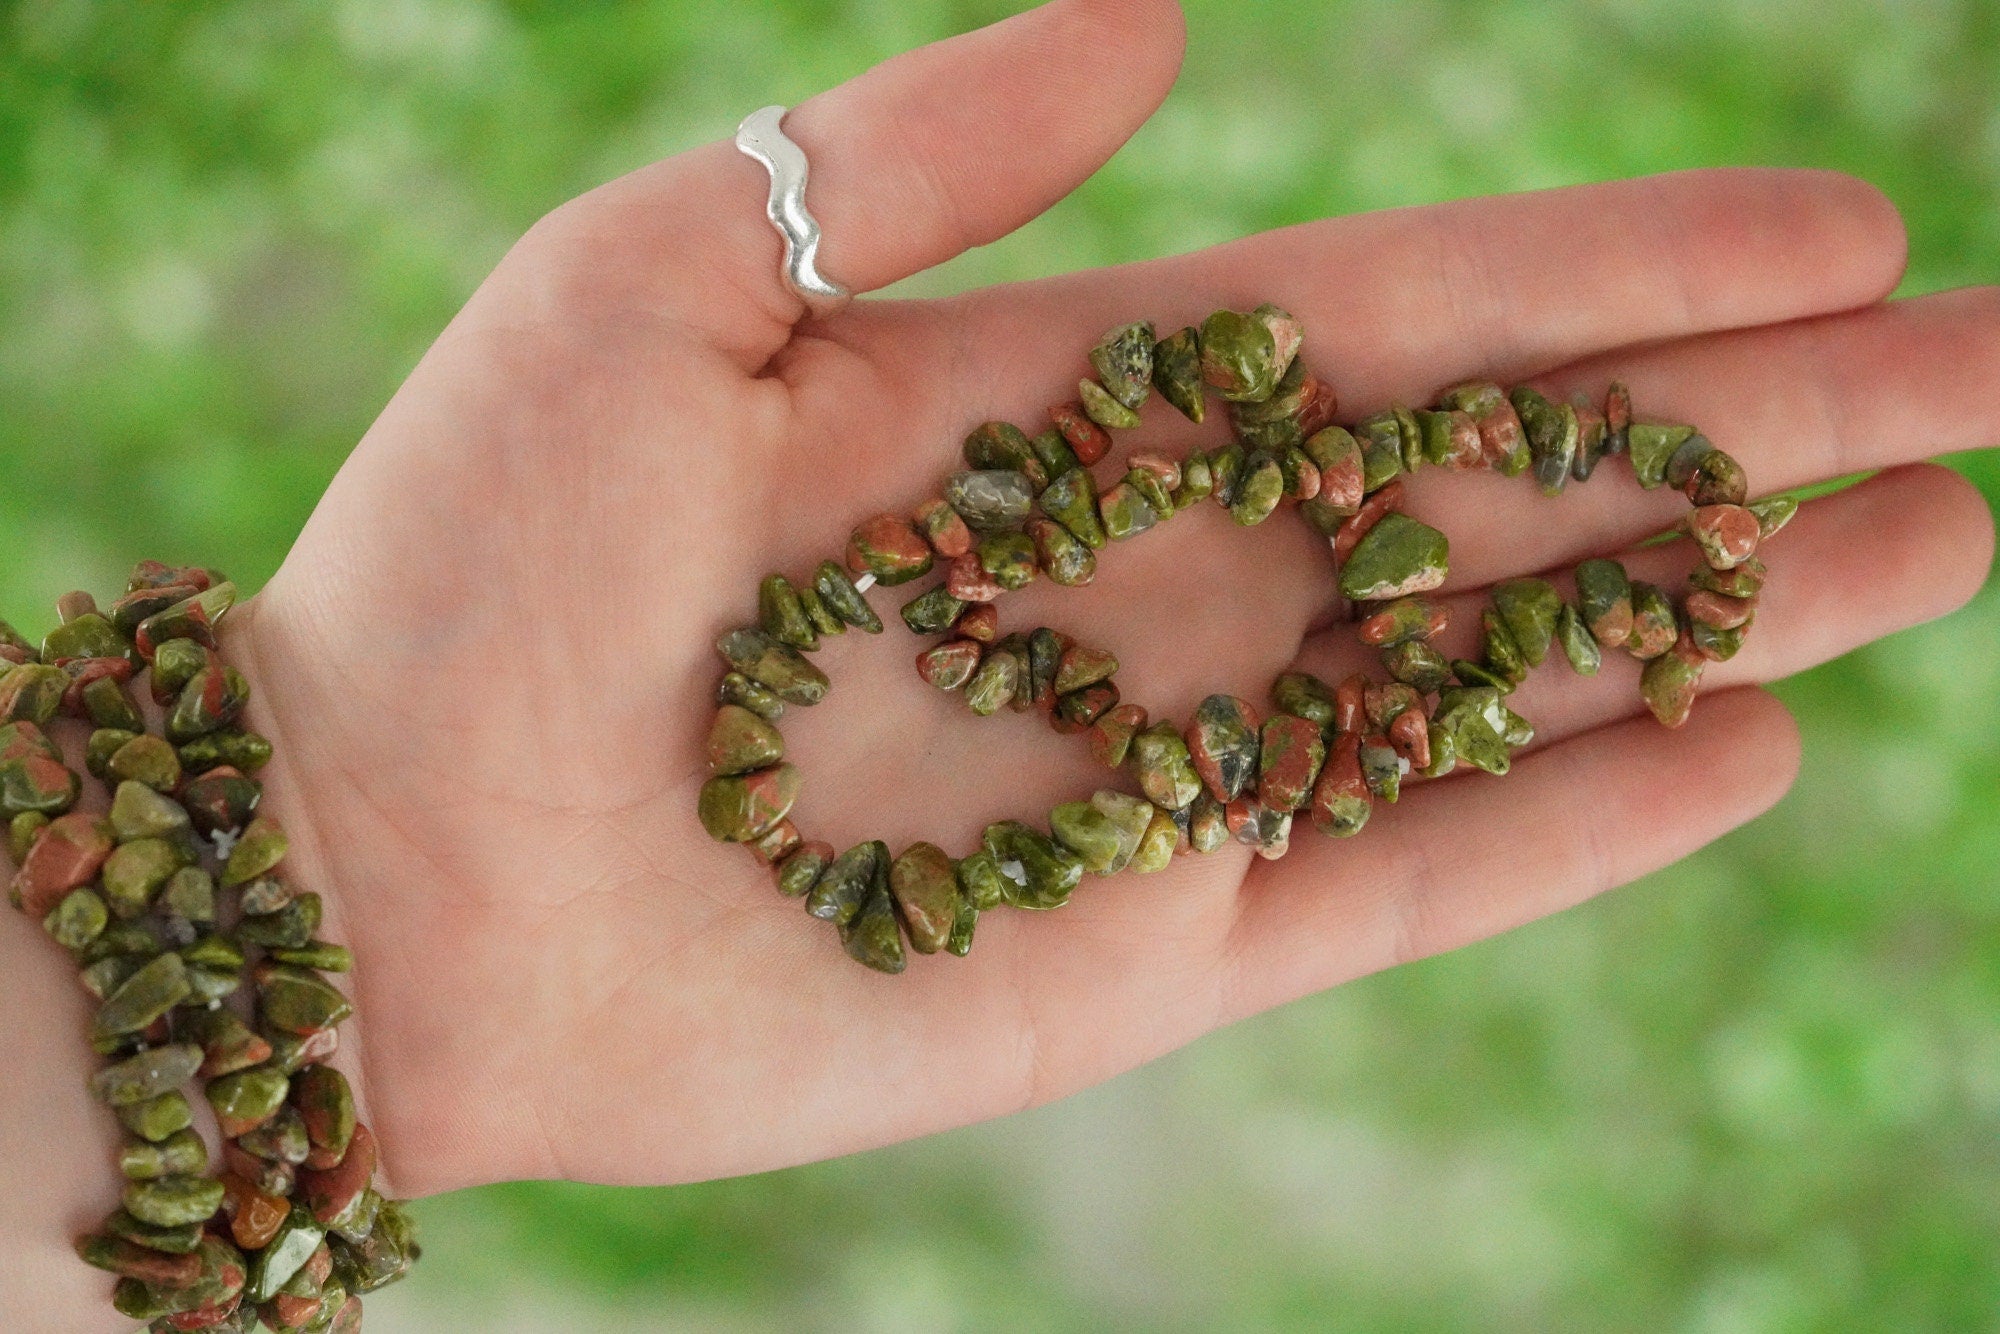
point(208, 953)
point(56, 1144)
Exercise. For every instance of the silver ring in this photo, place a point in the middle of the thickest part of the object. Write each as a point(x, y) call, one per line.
point(762, 137)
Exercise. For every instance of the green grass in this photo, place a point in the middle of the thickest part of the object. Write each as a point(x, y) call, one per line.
point(1758, 1092)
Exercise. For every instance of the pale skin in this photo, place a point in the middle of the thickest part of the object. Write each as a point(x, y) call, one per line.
point(487, 663)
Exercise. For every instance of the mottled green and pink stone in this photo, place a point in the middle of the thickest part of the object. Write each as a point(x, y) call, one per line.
point(1028, 507)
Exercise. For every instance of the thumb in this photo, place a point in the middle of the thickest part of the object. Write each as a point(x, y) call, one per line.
point(928, 154)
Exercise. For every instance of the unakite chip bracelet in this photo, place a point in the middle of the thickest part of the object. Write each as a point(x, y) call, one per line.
point(1030, 507)
point(170, 901)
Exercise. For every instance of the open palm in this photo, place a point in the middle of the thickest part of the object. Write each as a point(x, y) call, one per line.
point(488, 663)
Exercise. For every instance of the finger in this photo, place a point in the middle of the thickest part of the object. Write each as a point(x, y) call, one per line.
point(1398, 303)
point(1794, 403)
point(939, 149)
point(1892, 552)
point(1463, 861)
point(1799, 403)
point(1889, 384)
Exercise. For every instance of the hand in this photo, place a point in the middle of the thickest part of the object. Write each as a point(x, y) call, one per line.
point(487, 664)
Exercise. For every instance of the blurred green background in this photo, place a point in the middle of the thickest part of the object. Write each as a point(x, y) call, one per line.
point(1759, 1092)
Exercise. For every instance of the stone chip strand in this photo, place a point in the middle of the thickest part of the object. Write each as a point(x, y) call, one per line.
point(1028, 507)
point(169, 902)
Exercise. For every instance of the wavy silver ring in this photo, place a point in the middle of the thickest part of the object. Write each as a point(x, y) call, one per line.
point(760, 136)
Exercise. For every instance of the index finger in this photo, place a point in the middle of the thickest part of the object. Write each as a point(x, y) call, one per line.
point(1398, 303)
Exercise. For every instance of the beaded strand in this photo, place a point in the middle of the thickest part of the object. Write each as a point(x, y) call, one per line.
point(168, 901)
point(1029, 507)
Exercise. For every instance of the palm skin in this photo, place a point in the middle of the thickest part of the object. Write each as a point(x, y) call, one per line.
point(488, 663)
